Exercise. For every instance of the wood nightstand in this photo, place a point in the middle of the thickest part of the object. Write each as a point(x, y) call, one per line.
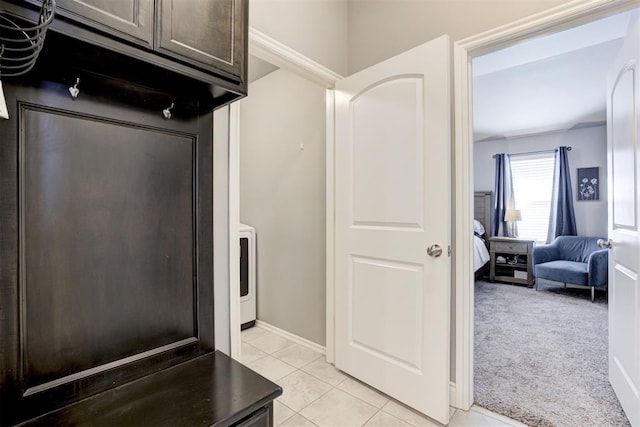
point(511, 260)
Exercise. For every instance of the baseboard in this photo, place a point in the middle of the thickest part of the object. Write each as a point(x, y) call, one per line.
point(495, 416)
point(292, 337)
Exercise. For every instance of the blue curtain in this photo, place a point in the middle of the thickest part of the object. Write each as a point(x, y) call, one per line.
point(503, 198)
point(562, 219)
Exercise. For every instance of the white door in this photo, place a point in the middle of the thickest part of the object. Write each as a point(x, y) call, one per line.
point(392, 202)
point(623, 123)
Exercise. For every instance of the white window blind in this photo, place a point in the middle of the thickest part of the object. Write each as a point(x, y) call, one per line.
point(532, 187)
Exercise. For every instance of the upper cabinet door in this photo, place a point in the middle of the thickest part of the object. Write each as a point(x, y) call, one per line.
point(205, 33)
point(131, 20)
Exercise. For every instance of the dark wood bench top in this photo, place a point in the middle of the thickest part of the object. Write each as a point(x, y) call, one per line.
point(212, 390)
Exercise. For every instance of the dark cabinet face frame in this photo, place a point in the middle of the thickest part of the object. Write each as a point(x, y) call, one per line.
point(132, 20)
point(185, 30)
point(208, 34)
point(105, 245)
point(205, 40)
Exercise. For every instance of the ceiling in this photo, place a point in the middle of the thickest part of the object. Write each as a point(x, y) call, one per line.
point(549, 83)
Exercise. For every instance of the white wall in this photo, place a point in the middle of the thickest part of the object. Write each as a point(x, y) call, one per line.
point(282, 194)
point(379, 29)
point(589, 148)
point(314, 28)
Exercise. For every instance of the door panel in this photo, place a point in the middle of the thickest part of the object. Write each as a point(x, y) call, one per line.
point(392, 181)
point(106, 248)
point(204, 33)
point(386, 307)
point(128, 19)
point(387, 148)
point(623, 110)
point(623, 151)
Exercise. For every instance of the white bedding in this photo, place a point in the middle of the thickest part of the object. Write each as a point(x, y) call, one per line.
point(480, 253)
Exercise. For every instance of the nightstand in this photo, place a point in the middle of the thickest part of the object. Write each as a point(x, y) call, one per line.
point(511, 260)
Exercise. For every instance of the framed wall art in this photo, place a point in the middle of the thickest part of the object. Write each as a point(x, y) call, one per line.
point(588, 184)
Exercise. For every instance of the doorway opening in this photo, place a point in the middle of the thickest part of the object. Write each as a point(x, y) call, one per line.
point(532, 361)
point(267, 170)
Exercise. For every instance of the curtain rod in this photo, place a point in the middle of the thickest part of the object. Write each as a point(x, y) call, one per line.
point(533, 152)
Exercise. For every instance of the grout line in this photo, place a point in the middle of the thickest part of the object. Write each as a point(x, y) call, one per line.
point(283, 421)
point(362, 400)
point(374, 414)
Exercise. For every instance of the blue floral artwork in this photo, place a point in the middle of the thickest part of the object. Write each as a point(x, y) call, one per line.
point(588, 184)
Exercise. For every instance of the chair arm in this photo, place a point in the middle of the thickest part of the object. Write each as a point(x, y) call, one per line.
point(598, 267)
point(543, 253)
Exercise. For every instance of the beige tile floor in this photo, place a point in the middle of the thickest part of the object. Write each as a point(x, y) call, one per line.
point(317, 394)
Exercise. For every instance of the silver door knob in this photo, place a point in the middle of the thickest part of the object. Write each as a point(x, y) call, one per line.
point(605, 243)
point(434, 251)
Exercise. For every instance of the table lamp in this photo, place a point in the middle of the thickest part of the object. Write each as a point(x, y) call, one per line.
point(512, 215)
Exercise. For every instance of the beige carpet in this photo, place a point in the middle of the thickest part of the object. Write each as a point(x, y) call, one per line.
point(541, 357)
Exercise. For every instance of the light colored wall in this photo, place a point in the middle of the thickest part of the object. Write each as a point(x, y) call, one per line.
point(589, 148)
point(379, 29)
point(314, 28)
point(282, 194)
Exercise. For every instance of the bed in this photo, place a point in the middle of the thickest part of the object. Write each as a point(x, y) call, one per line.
point(481, 224)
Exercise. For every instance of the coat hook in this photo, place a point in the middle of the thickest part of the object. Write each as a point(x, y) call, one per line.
point(166, 113)
point(73, 90)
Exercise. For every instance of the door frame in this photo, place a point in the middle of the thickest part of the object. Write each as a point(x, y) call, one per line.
point(547, 22)
point(268, 49)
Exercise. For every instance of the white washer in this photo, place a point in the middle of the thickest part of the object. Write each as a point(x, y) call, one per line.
point(247, 276)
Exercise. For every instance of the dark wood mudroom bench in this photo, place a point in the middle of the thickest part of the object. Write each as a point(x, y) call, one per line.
point(212, 390)
point(107, 225)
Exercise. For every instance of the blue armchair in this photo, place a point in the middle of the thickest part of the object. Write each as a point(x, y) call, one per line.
point(572, 259)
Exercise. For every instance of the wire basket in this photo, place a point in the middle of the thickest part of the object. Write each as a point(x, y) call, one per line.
point(21, 45)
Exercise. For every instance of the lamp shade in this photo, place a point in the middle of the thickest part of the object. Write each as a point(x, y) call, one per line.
point(512, 215)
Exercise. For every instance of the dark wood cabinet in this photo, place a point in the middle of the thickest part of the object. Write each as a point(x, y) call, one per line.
point(206, 40)
point(131, 20)
point(105, 256)
point(204, 33)
point(106, 278)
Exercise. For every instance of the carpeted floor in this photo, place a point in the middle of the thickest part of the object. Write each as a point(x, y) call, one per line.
point(541, 357)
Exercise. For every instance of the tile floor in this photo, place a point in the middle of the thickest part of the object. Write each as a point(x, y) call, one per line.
point(317, 394)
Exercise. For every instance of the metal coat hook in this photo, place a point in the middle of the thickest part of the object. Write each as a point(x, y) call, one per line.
point(73, 90)
point(166, 113)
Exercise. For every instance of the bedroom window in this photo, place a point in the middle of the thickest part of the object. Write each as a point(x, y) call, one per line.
point(532, 186)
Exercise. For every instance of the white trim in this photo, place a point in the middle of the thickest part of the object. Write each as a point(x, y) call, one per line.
point(501, 418)
point(330, 224)
point(234, 232)
point(452, 394)
point(271, 50)
point(291, 337)
point(550, 21)
point(463, 255)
